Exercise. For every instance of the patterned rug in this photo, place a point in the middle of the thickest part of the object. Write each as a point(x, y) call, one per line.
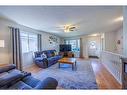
point(82, 78)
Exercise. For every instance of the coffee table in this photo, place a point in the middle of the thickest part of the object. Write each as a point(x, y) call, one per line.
point(71, 61)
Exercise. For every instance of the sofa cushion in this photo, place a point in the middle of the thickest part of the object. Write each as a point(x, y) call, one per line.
point(38, 54)
point(51, 59)
point(7, 68)
point(31, 81)
point(39, 59)
point(50, 53)
point(14, 71)
point(20, 85)
point(7, 79)
point(57, 57)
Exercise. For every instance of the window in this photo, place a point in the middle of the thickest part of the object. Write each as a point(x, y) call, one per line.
point(75, 44)
point(33, 44)
point(29, 42)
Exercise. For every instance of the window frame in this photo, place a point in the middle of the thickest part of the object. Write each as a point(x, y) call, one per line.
point(68, 41)
point(28, 40)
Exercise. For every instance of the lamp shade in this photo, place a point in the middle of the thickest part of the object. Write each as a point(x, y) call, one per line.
point(1, 43)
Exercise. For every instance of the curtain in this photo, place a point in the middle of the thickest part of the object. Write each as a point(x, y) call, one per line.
point(16, 47)
point(39, 42)
point(81, 48)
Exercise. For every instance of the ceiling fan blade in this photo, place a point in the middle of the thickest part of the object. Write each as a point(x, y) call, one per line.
point(73, 27)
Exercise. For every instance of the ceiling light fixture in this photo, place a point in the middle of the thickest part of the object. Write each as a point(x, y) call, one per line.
point(66, 28)
point(69, 28)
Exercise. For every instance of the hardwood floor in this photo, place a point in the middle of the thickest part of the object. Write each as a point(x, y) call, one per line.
point(104, 79)
point(33, 69)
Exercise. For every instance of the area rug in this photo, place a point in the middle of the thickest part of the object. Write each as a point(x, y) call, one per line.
point(82, 78)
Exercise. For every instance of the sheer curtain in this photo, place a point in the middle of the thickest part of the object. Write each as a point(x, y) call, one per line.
point(16, 47)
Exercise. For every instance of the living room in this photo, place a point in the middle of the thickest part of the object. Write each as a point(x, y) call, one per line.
point(78, 47)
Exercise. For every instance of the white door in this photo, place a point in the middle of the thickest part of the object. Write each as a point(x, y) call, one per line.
point(94, 46)
point(92, 51)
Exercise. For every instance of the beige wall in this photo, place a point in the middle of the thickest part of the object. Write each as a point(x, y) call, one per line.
point(4, 52)
point(110, 44)
point(85, 46)
point(111, 39)
point(119, 36)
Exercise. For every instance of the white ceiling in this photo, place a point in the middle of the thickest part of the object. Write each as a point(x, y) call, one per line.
point(88, 19)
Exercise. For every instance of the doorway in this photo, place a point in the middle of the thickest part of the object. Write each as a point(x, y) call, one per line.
point(94, 46)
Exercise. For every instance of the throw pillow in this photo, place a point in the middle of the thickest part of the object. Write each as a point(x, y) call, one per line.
point(56, 53)
point(43, 55)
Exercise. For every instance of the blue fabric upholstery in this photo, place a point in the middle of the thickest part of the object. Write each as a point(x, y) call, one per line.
point(8, 78)
point(15, 79)
point(31, 81)
point(7, 68)
point(49, 83)
point(46, 62)
point(20, 85)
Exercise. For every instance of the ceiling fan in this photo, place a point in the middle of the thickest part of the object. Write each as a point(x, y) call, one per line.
point(72, 27)
point(69, 28)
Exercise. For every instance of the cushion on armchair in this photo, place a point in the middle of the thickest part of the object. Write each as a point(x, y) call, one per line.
point(20, 85)
point(16, 79)
point(48, 83)
point(7, 67)
point(6, 79)
point(31, 81)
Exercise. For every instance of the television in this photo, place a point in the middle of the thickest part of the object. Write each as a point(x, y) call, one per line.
point(65, 47)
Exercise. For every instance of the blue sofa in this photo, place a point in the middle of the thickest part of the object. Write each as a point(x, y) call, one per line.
point(46, 62)
point(11, 78)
